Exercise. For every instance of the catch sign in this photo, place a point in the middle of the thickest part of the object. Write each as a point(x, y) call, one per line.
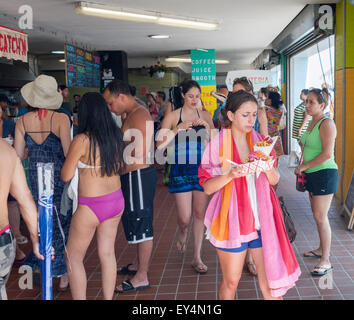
point(13, 44)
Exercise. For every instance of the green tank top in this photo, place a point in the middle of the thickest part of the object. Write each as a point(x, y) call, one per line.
point(313, 147)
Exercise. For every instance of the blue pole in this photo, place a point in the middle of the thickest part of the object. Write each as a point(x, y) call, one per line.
point(46, 190)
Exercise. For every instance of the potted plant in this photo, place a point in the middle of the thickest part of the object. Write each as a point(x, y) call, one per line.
point(158, 71)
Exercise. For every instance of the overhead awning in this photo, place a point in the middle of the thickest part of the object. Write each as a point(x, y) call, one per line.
point(13, 44)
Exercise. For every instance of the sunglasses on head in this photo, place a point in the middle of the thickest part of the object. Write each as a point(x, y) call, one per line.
point(243, 79)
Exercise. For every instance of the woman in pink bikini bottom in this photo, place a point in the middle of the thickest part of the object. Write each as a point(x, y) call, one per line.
point(97, 154)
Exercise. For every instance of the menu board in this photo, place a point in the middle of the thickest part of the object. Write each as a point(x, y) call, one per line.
point(82, 67)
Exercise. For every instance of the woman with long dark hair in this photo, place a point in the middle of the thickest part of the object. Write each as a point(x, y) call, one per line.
point(97, 152)
point(190, 128)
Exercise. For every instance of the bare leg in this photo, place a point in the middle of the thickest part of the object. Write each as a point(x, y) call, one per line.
point(144, 255)
point(184, 213)
point(106, 236)
point(258, 259)
point(250, 264)
point(320, 206)
point(14, 220)
point(144, 250)
point(200, 200)
point(82, 229)
point(231, 266)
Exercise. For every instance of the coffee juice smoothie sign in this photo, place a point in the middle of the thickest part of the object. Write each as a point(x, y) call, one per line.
point(203, 71)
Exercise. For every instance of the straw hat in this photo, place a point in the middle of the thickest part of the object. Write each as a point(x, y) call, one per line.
point(42, 93)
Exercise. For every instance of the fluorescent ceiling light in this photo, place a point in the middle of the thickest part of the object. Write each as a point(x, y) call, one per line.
point(91, 9)
point(188, 60)
point(62, 60)
point(57, 52)
point(159, 36)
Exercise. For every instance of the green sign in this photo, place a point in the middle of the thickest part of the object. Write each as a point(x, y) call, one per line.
point(203, 67)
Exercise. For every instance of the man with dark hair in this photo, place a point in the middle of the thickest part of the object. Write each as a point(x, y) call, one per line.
point(138, 181)
point(77, 99)
point(133, 93)
point(4, 100)
point(160, 100)
point(64, 90)
point(13, 180)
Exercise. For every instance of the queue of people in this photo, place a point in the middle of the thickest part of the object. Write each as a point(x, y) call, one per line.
point(243, 219)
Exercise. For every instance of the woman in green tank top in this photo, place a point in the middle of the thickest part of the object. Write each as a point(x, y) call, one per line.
point(321, 173)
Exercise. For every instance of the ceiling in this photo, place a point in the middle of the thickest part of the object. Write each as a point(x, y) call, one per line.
point(246, 28)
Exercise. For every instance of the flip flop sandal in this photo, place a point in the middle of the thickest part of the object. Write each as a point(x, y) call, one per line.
point(21, 240)
point(312, 255)
point(126, 271)
point(317, 271)
point(127, 287)
point(199, 268)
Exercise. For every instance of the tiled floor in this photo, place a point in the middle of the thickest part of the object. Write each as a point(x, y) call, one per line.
point(171, 276)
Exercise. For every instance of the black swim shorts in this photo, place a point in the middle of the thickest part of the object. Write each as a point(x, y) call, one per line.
point(139, 191)
point(322, 182)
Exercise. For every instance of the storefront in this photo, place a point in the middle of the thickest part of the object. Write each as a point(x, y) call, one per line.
point(14, 66)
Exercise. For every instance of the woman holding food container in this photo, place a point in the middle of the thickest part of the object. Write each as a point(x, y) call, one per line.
point(244, 213)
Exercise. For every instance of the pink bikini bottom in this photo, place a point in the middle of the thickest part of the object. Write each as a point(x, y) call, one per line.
point(105, 207)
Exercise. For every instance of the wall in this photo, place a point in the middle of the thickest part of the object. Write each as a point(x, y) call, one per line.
point(60, 77)
point(135, 78)
point(344, 98)
point(138, 80)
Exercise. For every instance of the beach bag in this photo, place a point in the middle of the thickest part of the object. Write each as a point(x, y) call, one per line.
point(301, 182)
point(288, 221)
point(301, 178)
point(282, 122)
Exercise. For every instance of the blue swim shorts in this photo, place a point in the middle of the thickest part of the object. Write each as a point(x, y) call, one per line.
point(254, 244)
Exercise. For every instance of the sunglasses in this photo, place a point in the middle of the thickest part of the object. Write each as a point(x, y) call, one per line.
point(243, 79)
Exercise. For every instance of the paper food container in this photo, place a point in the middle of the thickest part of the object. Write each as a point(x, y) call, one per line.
point(266, 150)
point(256, 166)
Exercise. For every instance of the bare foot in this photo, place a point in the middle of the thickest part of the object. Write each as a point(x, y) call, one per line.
point(64, 283)
point(181, 246)
point(251, 268)
point(181, 242)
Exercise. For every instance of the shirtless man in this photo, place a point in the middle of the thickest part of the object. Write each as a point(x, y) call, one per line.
point(138, 181)
point(13, 180)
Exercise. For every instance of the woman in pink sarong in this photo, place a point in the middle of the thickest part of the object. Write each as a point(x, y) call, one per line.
point(244, 213)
